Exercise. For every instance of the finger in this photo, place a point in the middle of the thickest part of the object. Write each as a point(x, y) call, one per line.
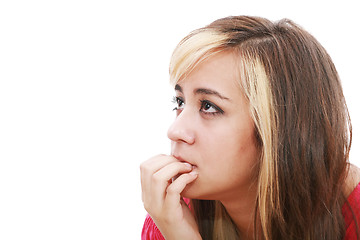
point(154, 184)
point(155, 163)
point(172, 170)
point(174, 190)
point(149, 167)
point(161, 179)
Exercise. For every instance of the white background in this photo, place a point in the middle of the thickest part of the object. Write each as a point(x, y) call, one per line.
point(84, 99)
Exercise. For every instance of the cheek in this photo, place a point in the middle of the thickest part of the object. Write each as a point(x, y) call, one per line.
point(232, 155)
point(230, 141)
point(227, 159)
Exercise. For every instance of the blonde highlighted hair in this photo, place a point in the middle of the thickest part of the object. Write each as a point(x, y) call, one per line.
point(301, 121)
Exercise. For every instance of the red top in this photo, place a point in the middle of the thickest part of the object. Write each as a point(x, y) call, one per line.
point(151, 232)
point(354, 202)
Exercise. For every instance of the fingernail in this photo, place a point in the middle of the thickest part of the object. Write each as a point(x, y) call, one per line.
point(188, 165)
point(193, 173)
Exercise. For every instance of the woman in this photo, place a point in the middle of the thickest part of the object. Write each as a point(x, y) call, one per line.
point(260, 143)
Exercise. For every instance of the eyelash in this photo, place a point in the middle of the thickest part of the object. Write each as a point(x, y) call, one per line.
point(179, 101)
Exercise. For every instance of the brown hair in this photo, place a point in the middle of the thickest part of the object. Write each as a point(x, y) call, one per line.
point(301, 120)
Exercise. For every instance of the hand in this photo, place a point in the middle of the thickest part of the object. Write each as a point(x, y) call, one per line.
point(162, 199)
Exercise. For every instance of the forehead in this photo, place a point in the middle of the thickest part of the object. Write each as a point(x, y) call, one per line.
point(219, 71)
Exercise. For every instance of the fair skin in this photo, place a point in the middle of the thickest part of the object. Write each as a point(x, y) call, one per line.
point(213, 153)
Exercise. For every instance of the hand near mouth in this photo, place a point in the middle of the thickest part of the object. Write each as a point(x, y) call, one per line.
point(163, 178)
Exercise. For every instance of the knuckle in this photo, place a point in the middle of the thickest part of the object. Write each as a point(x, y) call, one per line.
point(156, 178)
point(171, 190)
point(146, 166)
point(143, 167)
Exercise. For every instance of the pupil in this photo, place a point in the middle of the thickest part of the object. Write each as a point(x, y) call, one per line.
point(207, 106)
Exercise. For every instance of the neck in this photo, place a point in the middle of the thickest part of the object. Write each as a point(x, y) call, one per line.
point(241, 210)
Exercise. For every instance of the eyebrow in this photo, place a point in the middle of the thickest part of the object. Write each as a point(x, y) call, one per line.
point(206, 91)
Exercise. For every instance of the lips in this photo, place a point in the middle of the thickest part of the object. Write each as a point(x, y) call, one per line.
point(182, 160)
point(179, 158)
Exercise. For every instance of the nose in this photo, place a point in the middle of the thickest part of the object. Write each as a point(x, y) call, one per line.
point(183, 128)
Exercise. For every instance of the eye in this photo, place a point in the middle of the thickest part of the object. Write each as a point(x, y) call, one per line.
point(179, 103)
point(208, 107)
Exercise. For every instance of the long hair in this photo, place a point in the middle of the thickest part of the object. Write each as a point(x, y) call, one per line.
point(301, 122)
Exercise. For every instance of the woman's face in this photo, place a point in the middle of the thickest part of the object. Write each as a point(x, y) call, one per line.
point(214, 132)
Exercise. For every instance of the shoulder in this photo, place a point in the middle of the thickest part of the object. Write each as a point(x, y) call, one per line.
point(352, 180)
point(351, 208)
point(150, 230)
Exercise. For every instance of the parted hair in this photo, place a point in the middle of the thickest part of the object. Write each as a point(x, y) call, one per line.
point(301, 122)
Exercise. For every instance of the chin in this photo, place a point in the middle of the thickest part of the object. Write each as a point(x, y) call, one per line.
point(192, 191)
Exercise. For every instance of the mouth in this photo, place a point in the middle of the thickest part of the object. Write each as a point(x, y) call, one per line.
point(183, 160)
point(180, 159)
